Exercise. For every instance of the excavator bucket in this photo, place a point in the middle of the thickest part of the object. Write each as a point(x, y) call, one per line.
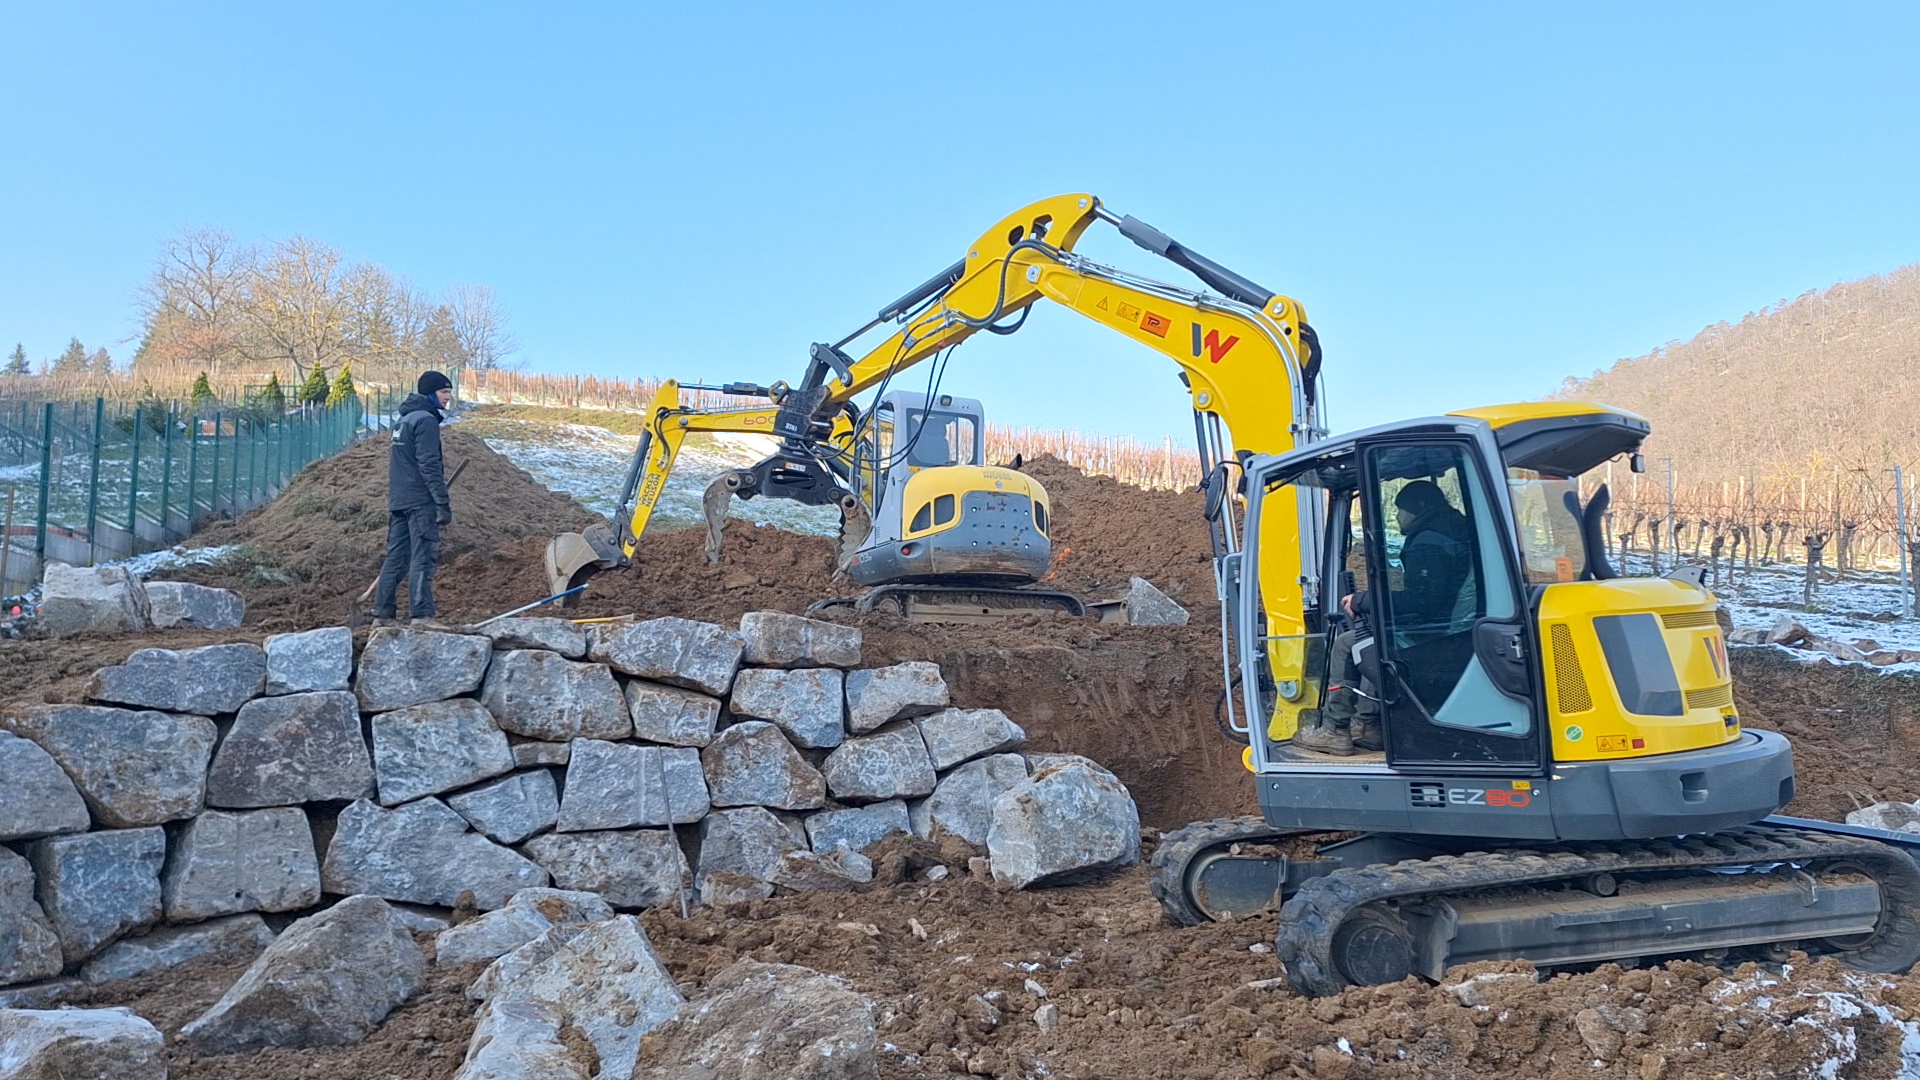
point(574, 557)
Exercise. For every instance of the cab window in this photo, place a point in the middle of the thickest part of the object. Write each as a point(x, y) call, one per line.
point(1546, 519)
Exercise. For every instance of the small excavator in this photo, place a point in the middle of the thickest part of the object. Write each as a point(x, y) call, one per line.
point(1562, 777)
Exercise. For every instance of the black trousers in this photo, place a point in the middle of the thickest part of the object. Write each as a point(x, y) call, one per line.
point(413, 550)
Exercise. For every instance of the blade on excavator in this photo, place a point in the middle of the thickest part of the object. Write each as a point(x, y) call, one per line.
point(574, 557)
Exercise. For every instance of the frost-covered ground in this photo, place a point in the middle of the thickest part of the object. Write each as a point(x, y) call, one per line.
point(591, 463)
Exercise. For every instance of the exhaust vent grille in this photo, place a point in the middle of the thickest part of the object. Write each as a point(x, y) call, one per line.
point(1713, 697)
point(1570, 683)
point(1686, 620)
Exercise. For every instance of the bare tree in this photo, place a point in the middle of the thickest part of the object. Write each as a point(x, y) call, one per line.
point(192, 302)
point(296, 311)
point(481, 326)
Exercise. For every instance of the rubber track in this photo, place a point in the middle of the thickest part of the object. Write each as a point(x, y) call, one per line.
point(1310, 918)
point(1167, 871)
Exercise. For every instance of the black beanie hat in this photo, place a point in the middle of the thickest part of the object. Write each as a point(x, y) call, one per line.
point(433, 381)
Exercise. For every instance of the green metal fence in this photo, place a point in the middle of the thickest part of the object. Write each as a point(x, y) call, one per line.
point(88, 482)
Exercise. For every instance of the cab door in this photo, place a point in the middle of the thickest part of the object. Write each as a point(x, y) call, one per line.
point(1448, 611)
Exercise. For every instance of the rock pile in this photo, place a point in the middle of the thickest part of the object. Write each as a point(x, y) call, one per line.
point(1790, 633)
point(74, 599)
point(641, 762)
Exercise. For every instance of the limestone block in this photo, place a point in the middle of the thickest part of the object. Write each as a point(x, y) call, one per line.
point(39, 799)
point(668, 714)
point(133, 768)
point(812, 871)
point(282, 751)
point(510, 967)
point(752, 764)
point(962, 805)
point(512, 808)
point(860, 827)
point(748, 841)
point(722, 887)
point(1062, 820)
point(204, 681)
point(543, 695)
point(421, 853)
point(878, 696)
point(637, 869)
point(1892, 816)
point(75, 599)
point(1148, 606)
point(29, 948)
point(618, 785)
point(529, 914)
point(328, 980)
point(679, 652)
point(609, 984)
point(528, 754)
point(98, 886)
point(756, 1021)
point(58, 1044)
point(256, 860)
point(809, 705)
point(310, 660)
point(401, 667)
point(889, 764)
point(194, 607)
point(551, 634)
point(777, 639)
point(957, 735)
point(441, 745)
point(237, 937)
point(520, 1041)
point(46, 994)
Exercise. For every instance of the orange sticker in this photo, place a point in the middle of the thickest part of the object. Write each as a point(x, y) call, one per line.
point(1563, 569)
point(1154, 324)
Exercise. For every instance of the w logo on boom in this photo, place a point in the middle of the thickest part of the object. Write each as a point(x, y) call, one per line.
point(1212, 344)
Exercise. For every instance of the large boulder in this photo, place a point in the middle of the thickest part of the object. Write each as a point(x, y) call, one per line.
point(888, 764)
point(668, 714)
point(204, 681)
point(98, 886)
point(679, 652)
point(860, 827)
point(962, 805)
point(40, 799)
point(777, 639)
point(328, 980)
point(752, 764)
point(554, 635)
point(637, 869)
point(310, 660)
point(72, 1044)
point(619, 785)
point(506, 970)
point(529, 914)
point(194, 607)
point(75, 599)
point(228, 862)
point(1064, 819)
point(609, 985)
point(1148, 606)
point(879, 696)
point(748, 842)
point(399, 667)
point(238, 937)
point(838, 870)
point(757, 1021)
point(543, 695)
point(512, 808)
point(421, 853)
point(521, 1041)
point(527, 755)
point(133, 768)
point(439, 746)
point(29, 948)
point(809, 705)
point(957, 735)
point(282, 751)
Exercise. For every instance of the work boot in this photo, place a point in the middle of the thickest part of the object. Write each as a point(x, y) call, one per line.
point(384, 621)
point(1367, 734)
point(430, 623)
point(1326, 738)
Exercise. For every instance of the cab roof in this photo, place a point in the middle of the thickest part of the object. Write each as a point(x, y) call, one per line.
point(1561, 438)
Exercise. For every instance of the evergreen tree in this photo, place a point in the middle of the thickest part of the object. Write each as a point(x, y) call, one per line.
point(17, 363)
point(343, 390)
point(101, 362)
point(202, 401)
point(273, 399)
point(314, 390)
point(72, 361)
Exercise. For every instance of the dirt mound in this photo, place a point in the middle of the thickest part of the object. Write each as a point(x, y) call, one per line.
point(1855, 731)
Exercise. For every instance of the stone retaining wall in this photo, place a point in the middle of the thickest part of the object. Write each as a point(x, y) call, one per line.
point(637, 761)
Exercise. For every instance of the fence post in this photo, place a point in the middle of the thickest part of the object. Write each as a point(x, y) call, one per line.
point(46, 482)
point(166, 473)
point(93, 477)
point(133, 473)
point(233, 470)
point(1900, 540)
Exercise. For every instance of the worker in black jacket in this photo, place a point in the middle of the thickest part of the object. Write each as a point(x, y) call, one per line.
point(417, 503)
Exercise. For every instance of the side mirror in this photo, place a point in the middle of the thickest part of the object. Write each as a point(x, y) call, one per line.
point(1216, 485)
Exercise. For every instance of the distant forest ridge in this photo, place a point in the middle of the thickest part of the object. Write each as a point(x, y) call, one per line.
point(1800, 410)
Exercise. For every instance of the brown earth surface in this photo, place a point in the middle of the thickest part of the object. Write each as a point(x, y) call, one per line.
point(1136, 997)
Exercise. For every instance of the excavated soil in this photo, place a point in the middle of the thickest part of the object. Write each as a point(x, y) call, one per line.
point(1135, 997)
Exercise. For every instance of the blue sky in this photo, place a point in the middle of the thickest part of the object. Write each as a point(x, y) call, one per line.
point(1472, 201)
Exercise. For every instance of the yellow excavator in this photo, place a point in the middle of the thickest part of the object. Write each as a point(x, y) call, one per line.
point(1562, 775)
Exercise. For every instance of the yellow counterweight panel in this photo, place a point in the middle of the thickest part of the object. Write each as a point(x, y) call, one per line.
point(1588, 719)
point(929, 484)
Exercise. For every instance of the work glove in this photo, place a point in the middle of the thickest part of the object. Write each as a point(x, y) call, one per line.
point(443, 514)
